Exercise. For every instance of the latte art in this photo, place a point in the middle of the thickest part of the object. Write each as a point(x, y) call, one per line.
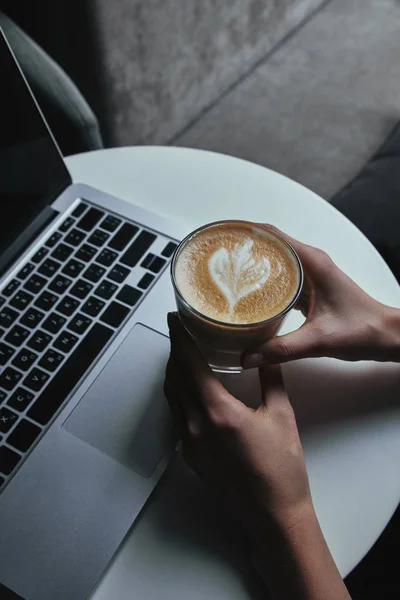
point(237, 273)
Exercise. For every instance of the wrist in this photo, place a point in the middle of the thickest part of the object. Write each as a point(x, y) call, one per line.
point(282, 522)
point(391, 334)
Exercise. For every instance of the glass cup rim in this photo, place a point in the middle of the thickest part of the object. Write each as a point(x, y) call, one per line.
point(225, 323)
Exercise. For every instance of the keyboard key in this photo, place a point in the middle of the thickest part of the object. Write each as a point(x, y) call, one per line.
point(106, 257)
point(67, 306)
point(129, 295)
point(147, 261)
point(36, 379)
point(25, 271)
point(79, 323)
point(24, 359)
point(115, 314)
point(11, 287)
point(9, 378)
point(51, 360)
point(157, 264)
point(65, 341)
point(93, 306)
point(123, 236)
point(21, 300)
point(90, 219)
point(66, 225)
point(7, 316)
point(49, 267)
point(2, 480)
point(110, 223)
point(6, 353)
point(46, 300)
point(146, 280)
point(153, 263)
point(106, 289)
point(94, 273)
point(23, 435)
point(7, 419)
point(2, 300)
point(81, 289)
point(98, 238)
point(32, 317)
point(70, 373)
point(8, 460)
point(20, 399)
point(54, 323)
point(35, 284)
point(86, 253)
point(3, 396)
point(39, 340)
point(169, 249)
point(62, 252)
point(138, 248)
point(60, 284)
point(53, 239)
point(40, 254)
point(17, 335)
point(73, 268)
point(118, 273)
point(79, 210)
point(75, 237)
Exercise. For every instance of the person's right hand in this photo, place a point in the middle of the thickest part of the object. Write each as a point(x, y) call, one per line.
point(342, 321)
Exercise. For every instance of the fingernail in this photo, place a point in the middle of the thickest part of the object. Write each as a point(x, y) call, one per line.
point(249, 361)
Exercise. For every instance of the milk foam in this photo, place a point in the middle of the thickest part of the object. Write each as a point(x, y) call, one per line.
point(237, 273)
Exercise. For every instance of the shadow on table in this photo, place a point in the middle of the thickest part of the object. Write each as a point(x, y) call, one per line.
point(324, 391)
point(193, 529)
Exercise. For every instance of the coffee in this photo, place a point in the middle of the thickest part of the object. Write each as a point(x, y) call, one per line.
point(237, 272)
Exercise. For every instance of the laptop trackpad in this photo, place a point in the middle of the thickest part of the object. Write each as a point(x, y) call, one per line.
point(124, 413)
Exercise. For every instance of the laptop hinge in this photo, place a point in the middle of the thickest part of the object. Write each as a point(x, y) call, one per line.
point(25, 239)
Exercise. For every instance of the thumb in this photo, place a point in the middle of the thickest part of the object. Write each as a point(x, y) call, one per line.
point(302, 343)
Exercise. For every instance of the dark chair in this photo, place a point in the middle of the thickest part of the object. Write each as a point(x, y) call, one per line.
point(72, 121)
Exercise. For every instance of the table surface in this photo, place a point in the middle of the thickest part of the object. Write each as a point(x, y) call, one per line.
point(347, 413)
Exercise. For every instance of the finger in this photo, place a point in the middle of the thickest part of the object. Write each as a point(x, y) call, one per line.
point(313, 259)
point(305, 342)
point(185, 406)
point(300, 247)
point(272, 387)
point(202, 381)
point(173, 393)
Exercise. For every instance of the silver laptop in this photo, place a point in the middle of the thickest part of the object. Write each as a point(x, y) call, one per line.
point(85, 433)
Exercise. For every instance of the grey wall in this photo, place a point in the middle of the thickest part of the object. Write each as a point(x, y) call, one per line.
point(164, 61)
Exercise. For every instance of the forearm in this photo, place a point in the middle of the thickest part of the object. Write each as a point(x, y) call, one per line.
point(295, 562)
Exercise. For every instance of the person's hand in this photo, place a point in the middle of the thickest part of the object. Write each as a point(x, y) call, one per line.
point(342, 321)
point(252, 458)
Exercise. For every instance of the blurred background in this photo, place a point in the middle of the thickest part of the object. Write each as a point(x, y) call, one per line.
point(306, 87)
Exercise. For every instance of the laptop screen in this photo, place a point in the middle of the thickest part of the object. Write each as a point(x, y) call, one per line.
point(32, 172)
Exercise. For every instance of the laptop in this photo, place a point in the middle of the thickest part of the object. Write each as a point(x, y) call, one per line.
point(85, 432)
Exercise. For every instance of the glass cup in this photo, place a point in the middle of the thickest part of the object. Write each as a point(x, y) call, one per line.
point(222, 344)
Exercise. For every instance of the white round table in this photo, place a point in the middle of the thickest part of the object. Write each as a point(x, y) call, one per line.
point(347, 413)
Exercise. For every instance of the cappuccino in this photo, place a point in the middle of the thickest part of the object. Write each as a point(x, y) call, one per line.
point(237, 272)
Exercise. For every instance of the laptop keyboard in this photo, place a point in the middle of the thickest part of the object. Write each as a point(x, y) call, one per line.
point(59, 313)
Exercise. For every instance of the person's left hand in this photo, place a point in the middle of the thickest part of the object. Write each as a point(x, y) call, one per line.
point(252, 458)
